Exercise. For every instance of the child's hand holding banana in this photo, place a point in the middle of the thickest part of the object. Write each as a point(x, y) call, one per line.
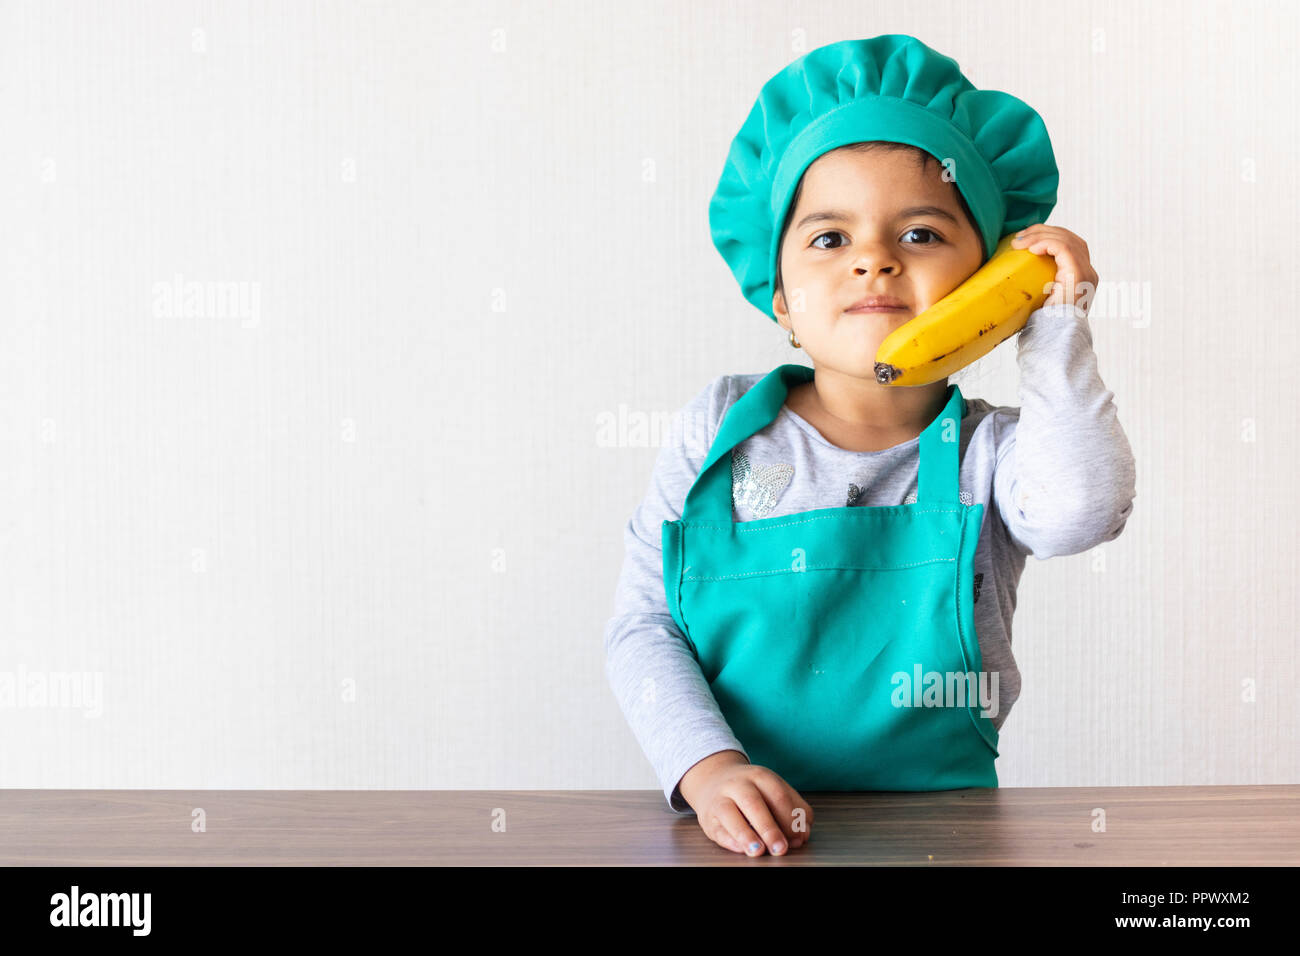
point(1076, 279)
point(1039, 266)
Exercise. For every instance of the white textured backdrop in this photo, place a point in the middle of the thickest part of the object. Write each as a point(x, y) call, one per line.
point(316, 315)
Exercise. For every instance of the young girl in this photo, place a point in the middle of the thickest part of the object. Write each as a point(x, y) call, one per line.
point(819, 584)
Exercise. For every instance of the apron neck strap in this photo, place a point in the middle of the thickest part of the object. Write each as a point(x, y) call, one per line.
point(939, 466)
point(710, 497)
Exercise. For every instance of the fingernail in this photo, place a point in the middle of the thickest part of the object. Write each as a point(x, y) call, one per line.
point(1020, 233)
point(755, 847)
point(778, 846)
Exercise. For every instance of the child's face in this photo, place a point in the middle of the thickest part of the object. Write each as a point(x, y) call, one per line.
point(872, 248)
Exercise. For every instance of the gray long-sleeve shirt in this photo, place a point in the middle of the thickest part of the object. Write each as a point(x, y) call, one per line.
point(1056, 476)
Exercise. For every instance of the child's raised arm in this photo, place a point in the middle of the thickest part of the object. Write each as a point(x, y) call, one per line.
point(1066, 477)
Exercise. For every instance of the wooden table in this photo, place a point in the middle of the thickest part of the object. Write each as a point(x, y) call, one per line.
point(1144, 826)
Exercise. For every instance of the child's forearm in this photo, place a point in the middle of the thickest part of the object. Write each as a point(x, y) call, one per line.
point(664, 697)
point(1068, 478)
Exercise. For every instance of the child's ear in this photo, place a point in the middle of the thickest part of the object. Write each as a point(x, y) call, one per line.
point(778, 309)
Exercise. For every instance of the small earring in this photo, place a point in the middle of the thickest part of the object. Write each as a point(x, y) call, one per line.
point(793, 342)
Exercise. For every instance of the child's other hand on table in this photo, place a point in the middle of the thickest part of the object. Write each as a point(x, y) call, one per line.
point(746, 808)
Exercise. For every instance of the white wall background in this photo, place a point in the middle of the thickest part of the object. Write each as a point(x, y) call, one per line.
point(360, 529)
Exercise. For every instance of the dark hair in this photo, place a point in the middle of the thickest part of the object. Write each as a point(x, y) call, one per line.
point(922, 157)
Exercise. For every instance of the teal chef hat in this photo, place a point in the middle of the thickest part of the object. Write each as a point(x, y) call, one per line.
point(894, 88)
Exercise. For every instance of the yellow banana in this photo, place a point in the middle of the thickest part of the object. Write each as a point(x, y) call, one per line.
point(970, 321)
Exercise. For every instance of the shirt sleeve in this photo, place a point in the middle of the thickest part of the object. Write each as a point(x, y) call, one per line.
point(650, 666)
point(1065, 477)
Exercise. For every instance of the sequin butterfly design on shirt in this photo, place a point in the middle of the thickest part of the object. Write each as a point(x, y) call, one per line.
point(757, 488)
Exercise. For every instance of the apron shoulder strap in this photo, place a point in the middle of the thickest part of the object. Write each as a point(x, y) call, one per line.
point(710, 496)
point(938, 468)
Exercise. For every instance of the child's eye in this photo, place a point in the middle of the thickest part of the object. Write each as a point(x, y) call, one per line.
point(823, 236)
point(930, 232)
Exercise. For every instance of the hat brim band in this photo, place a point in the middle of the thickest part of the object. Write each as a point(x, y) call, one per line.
point(891, 119)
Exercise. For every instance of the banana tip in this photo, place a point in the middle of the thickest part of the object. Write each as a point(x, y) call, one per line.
point(886, 373)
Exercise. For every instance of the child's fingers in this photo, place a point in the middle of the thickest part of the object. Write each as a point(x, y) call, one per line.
point(1073, 268)
point(726, 841)
point(782, 799)
point(722, 838)
point(753, 803)
point(1030, 233)
point(1050, 247)
point(735, 825)
point(1066, 263)
point(719, 835)
point(1066, 253)
point(1039, 229)
point(1039, 244)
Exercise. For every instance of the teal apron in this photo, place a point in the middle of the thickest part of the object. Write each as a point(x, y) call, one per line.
point(814, 629)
